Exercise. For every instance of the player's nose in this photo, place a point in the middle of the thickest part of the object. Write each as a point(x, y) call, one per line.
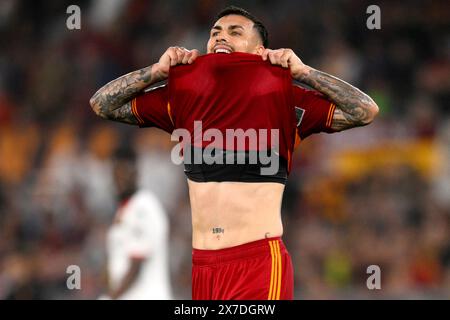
point(221, 39)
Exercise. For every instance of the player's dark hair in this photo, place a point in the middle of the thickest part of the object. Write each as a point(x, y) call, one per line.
point(262, 31)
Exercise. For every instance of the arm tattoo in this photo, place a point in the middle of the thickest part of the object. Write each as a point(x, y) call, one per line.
point(112, 101)
point(123, 114)
point(353, 107)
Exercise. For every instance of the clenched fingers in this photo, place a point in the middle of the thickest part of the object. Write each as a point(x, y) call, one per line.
point(278, 57)
point(193, 55)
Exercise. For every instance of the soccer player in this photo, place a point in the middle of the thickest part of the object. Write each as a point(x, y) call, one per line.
point(237, 252)
point(137, 241)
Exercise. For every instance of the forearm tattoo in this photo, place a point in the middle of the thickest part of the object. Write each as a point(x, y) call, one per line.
point(353, 107)
point(112, 101)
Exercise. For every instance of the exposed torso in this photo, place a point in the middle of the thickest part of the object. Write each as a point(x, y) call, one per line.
point(226, 214)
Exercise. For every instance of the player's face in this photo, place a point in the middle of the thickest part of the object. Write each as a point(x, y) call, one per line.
point(234, 33)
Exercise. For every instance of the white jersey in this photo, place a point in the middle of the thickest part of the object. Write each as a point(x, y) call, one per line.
point(142, 232)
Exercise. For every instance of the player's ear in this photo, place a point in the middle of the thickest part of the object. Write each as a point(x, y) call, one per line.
point(260, 49)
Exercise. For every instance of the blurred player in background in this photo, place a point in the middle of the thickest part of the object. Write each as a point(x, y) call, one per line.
point(236, 211)
point(137, 241)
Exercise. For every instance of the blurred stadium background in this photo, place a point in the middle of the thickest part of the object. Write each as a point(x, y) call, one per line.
point(375, 195)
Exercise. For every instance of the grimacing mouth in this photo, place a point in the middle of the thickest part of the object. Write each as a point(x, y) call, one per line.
point(220, 48)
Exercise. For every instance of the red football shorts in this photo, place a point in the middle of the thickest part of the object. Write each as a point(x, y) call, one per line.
point(259, 270)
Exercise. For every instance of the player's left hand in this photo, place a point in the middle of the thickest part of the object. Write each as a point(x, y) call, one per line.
point(287, 59)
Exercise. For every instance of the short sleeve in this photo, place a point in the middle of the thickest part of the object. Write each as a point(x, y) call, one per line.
point(152, 109)
point(314, 112)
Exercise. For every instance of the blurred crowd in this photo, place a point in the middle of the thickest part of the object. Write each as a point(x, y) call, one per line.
point(378, 195)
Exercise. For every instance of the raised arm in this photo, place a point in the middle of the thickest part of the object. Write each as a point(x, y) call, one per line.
point(113, 100)
point(353, 107)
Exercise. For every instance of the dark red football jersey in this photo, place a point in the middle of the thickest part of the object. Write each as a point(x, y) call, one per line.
point(236, 91)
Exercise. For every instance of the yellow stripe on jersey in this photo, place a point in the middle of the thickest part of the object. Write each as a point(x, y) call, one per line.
point(134, 111)
point(297, 138)
point(330, 115)
point(170, 113)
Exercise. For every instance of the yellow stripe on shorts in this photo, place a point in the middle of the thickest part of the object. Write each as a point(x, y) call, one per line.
point(275, 274)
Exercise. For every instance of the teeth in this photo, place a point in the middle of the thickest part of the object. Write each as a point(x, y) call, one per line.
point(223, 51)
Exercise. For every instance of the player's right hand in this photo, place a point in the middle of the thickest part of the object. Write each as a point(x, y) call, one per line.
point(174, 56)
